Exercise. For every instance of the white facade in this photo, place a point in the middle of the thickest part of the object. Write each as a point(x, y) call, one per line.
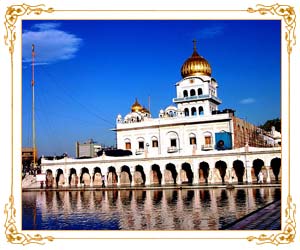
point(189, 142)
point(173, 131)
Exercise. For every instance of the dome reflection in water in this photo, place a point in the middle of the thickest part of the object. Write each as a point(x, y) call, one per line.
point(168, 209)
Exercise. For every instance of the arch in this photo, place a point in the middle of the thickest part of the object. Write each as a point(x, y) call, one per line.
point(200, 92)
point(97, 176)
point(186, 112)
point(203, 171)
point(60, 178)
point(139, 175)
point(174, 142)
point(192, 92)
point(239, 169)
point(275, 165)
point(185, 93)
point(155, 174)
point(85, 177)
point(112, 177)
point(193, 111)
point(49, 178)
point(170, 173)
point(186, 174)
point(154, 141)
point(200, 110)
point(125, 176)
point(73, 178)
point(257, 165)
point(127, 142)
point(141, 143)
point(221, 166)
point(193, 140)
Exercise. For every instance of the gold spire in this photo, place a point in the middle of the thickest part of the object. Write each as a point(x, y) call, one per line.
point(195, 44)
point(195, 65)
point(136, 107)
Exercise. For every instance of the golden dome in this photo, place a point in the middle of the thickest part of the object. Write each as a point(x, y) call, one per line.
point(145, 110)
point(195, 65)
point(136, 107)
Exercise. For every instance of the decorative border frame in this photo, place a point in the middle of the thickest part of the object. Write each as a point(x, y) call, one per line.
point(13, 12)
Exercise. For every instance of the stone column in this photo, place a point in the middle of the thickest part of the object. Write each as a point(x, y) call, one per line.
point(162, 170)
point(132, 181)
point(178, 179)
point(54, 179)
point(196, 174)
point(230, 175)
point(147, 176)
point(211, 175)
point(119, 178)
point(66, 180)
point(91, 183)
point(248, 174)
point(268, 174)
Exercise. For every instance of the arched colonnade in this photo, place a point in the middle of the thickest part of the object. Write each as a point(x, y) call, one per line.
point(167, 173)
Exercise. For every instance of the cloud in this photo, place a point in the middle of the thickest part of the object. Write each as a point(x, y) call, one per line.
point(46, 26)
point(248, 100)
point(211, 32)
point(51, 44)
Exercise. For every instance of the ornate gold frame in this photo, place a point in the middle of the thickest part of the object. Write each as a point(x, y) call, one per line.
point(13, 12)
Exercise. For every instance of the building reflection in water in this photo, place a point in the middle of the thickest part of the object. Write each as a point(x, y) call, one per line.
point(169, 209)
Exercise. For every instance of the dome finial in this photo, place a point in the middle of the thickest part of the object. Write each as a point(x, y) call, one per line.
point(195, 44)
point(195, 65)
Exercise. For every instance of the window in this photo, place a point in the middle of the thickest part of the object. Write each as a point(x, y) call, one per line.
point(200, 91)
point(186, 112)
point(207, 140)
point(155, 143)
point(201, 111)
point(193, 141)
point(194, 111)
point(185, 93)
point(141, 145)
point(173, 143)
point(127, 145)
point(193, 92)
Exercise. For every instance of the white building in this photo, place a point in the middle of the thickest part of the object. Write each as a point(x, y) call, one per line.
point(189, 142)
point(192, 126)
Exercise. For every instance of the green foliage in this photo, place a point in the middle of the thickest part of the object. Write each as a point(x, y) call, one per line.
point(269, 123)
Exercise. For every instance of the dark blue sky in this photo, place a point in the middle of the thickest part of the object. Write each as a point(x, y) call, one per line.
point(88, 72)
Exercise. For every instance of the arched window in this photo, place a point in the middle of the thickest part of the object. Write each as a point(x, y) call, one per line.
point(171, 113)
point(185, 93)
point(154, 142)
point(194, 111)
point(208, 140)
point(193, 92)
point(201, 110)
point(186, 112)
point(193, 140)
point(174, 142)
point(127, 144)
point(200, 91)
point(141, 143)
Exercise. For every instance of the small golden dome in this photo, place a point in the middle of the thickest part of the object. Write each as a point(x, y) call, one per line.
point(145, 110)
point(136, 107)
point(195, 65)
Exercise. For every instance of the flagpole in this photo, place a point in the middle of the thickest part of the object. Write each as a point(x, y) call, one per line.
point(33, 121)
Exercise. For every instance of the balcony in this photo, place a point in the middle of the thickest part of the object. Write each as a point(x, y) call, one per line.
point(172, 149)
point(139, 151)
point(206, 147)
point(197, 98)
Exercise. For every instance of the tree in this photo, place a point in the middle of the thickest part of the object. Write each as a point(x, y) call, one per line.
point(267, 126)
